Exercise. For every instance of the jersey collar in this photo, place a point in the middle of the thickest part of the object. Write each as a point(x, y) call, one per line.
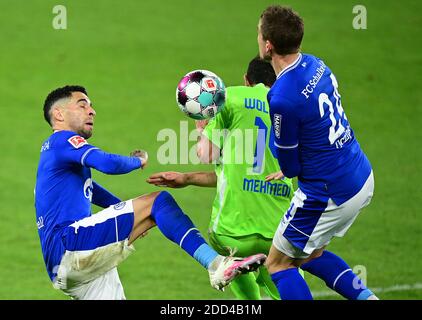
point(291, 66)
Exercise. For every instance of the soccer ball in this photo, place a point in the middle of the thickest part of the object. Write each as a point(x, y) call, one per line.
point(201, 94)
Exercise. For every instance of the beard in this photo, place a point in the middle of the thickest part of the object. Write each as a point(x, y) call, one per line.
point(86, 134)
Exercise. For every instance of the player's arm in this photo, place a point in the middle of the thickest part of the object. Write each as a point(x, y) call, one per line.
point(213, 133)
point(110, 163)
point(285, 123)
point(206, 150)
point(76, 150)
point(102, 197)
point(181, 180)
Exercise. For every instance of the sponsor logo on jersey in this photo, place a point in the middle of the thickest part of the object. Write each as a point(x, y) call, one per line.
point(88, 187)
point(40, 222)
point(120, 205)
point(255, 104)
point(312, 83)
point(344, 138)
point(277, 124)
point(77, 141)
point(45, 146)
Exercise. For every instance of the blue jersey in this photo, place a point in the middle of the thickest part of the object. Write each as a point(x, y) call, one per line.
point(64, 188)
point(313, 137)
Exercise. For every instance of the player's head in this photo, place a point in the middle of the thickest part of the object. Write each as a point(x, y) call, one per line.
point(69, 108)
point(259, 71)
point(280, 31)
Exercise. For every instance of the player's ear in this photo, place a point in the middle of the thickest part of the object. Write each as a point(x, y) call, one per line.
point(245, 78)
point(57, 114)
point(268, 47)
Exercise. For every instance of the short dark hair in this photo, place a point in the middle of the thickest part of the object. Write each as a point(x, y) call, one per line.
point(283, 28)
point(57, 94)
point(260, 71)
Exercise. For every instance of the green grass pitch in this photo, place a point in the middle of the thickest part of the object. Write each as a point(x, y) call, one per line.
point(130, 55)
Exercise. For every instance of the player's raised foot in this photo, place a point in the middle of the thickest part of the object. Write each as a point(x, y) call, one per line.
point(224, 269)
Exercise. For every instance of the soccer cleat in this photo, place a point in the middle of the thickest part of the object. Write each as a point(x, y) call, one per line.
point(230, 267)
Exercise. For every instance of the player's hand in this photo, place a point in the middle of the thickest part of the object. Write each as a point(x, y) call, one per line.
point(200, 125)
point(141, 154)
point(168, 179)
point(275, 176)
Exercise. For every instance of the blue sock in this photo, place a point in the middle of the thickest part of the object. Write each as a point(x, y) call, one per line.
point(178, 227)
point(338, 276)
point(291, 285)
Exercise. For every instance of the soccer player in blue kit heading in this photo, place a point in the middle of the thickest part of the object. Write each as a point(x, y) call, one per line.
point(316, 144)
point(81, 251)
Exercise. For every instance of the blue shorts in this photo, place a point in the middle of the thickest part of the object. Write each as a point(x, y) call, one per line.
point(112, 224)
point(310, 222)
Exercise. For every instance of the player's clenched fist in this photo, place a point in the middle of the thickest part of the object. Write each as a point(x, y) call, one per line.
point(141, 154)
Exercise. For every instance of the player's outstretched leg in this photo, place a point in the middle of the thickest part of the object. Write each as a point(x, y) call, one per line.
point(247, 286)
point(323, 264)
point(161, 209)
point(338, 276)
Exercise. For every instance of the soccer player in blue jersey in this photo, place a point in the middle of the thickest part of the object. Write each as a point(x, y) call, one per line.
point(316, 144)
point(81, 251)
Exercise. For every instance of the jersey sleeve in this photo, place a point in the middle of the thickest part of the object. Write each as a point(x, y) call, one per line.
point(75, 150)
point(109, 163)
point(102, 197)
point(72, 148)
point(285, 123)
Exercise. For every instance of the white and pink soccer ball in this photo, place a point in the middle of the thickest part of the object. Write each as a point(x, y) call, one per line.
point(201, 94)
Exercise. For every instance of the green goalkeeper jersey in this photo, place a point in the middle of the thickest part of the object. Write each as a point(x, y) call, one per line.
point(245, 204)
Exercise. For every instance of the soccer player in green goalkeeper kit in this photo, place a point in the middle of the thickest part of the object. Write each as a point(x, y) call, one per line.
point(252, 193)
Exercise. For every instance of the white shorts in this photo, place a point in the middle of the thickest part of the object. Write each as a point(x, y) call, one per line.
point(104, 287)
point(94, 247)
point(310, 223)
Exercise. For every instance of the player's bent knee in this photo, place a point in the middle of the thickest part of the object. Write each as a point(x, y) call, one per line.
point(150, 205)
point(278, 261)
point(144, 203)
point(143, 221)
point(316, 254)
point(163, 200)
point(275, 266)
point(149, 197)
